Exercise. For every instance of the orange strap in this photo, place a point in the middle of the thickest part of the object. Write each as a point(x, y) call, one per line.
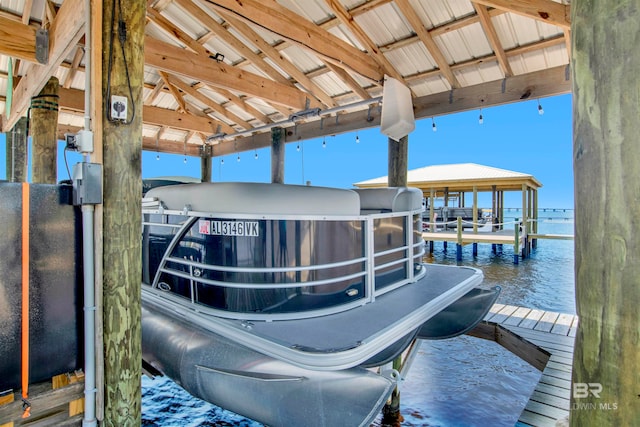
point(25, 300)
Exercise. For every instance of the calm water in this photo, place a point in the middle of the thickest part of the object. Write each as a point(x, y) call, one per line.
point(463, 381)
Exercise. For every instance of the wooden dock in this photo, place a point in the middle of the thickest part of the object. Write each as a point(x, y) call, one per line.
point(522, 244)
point(554, 333)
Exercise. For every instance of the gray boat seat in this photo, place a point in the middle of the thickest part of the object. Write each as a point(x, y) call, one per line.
point(258, 198)
point(389, 199)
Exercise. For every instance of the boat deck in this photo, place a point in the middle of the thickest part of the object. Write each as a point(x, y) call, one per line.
point(555, 333)
point(350, 337)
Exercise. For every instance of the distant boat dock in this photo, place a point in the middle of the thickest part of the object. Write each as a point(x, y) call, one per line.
point(522, 242)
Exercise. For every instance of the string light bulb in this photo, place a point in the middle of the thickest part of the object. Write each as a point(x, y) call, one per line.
point(238, 159)
point(157, 156)
point(357, 138)
point(540, 110)
point(298, 147)
point(185, 160)
point(324, 142)
point(256, 155)
point(433, 125)
point(480, 118)
point(222, 161)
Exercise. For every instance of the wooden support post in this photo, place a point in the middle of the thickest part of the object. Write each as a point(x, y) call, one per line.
point(398, 160)
point(17, 143)
point(397, 177)
point(475, 249)
point(432, 225)
point(122, 150)
point(44, 129)
point(475, 209)
point(205, 163)
point(516, 243)
point(277, 155)
point(459, 239)
point(534, 242)
point(430, 246)
point(606, 159)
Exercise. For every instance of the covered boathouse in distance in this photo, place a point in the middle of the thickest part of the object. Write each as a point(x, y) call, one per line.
point(453, 182)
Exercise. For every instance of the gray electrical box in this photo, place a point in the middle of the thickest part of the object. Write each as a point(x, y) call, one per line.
point(87, 184)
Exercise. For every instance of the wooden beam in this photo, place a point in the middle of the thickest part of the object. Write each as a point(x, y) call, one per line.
point(175, 32)
point(17, 40)
point(297, 29)
point(148, 100)
point(427, 40)
point(77, 58)
point(182, 108)
point(348, 21)
point(163, 117)
point(538, 84)
point(175, 60)
point(26, 11)
point(492, 36)
point(542, 83)
point(193, 92)
point(542, 10)
point(229, 39)
point(275, 56)
point(348, 80)
point(66, 30)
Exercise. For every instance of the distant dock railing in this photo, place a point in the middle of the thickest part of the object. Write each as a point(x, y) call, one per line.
point(487, 232)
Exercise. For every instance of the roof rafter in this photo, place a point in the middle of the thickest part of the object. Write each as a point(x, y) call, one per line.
point(75, 64)
point(175, 60)
point(66, 29)
point(175, 32)
point(542, 10)
point(374, 51)
point(241, 103)
point(193, 92)
point(216, 28)
point(492, 36)
point(288, 25)
point(428, 41)
point(275, 56)
point(182, 106)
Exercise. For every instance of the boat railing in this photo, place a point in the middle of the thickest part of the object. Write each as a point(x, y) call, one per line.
point(354, 281)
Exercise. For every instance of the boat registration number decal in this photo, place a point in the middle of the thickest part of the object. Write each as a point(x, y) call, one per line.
point(229, 228)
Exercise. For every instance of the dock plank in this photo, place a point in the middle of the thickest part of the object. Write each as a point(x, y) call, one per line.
point(574, 327)
point(563, 324)
point(493, 311)
point(528, 418)
point(547, 321)
point(546, 410)
point(517, 316)
point(532, 319)
point(503, 314)
point(560, 402)
point(555, 333)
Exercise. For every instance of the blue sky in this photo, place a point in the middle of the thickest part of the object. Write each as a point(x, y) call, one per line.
point(513, 137)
